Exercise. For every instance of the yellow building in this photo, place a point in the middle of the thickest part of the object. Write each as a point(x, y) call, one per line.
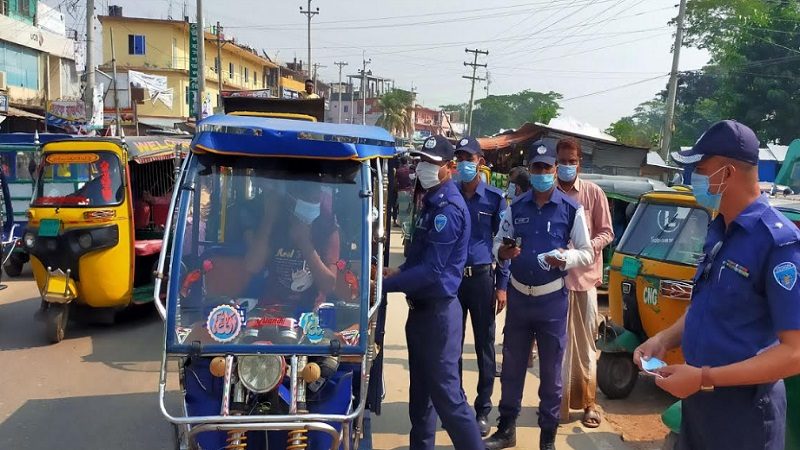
point(161, 47)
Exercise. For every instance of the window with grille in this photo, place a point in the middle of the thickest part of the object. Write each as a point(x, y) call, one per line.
point(136, 44)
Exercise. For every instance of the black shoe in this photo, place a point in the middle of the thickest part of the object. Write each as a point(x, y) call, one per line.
point(483, 425)
point(547, 440)
point(504, 437)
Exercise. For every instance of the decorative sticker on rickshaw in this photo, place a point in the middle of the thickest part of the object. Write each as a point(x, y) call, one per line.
point(309, 323)
point(224, 323)
point(105, 182)
point(350, 337)
point(72, 158)
point(182, 333)
point(650, 295)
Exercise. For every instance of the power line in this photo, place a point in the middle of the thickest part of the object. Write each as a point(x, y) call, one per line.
point(615, 88)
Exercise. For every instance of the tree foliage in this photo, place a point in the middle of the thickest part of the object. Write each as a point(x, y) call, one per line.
point(643, 128)
point(498, 112)
point(396, 106)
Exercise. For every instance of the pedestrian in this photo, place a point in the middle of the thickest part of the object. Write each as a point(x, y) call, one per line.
point(309, 92)
point(483, 289)
point(430, 278)
point(740, 335)
point(405, 187)
point(579, 372)
point(535, 235)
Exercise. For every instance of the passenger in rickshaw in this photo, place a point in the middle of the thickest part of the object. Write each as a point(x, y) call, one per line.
point(106, 188)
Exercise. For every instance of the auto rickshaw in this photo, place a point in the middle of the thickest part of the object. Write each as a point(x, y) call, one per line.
point(649, 284)
point(271, 349)
point(95, 225)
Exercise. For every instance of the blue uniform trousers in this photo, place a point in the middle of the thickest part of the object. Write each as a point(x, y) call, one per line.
point(746, 417)
point(433, 333)
point(543, 318)
point(477, 297)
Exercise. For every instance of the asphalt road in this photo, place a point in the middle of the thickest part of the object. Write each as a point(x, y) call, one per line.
point(97, 388)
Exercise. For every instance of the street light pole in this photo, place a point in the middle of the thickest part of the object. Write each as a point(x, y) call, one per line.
point(88, 93)
point(219, 65)
point(672, 94)
point(341, 65)
point(309, 14)
point(365, 61)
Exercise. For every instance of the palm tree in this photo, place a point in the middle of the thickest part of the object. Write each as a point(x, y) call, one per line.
point(396, 117)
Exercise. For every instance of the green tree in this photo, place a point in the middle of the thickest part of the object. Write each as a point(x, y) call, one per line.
point(498, 112)
point(643, 128)
point(396, 106)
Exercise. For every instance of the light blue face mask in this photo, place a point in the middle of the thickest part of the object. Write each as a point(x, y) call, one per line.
point(467, 170)
point(700, 186)
point(511, 192)
point(567, 173)
point(543, 182)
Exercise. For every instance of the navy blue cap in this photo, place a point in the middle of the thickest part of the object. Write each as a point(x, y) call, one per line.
point(727, 138)
point(436, 148)
point(542, 151)
point(470, 145)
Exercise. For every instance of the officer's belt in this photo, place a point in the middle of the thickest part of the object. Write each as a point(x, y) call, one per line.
point(479, 269)
point(534, 291)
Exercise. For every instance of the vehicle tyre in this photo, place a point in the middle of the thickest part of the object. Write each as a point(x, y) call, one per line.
point(13, 267)
point(670, 442)
point(56, 322)
point(616, 374)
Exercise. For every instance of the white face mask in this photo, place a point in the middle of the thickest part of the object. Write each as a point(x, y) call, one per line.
point(428, 174)
point(305, 211)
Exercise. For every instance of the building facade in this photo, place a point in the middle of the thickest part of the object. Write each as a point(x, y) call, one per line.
point(37, 62)
point(161, 48)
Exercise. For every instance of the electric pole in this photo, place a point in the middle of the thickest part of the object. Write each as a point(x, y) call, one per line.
point(474, 64)
point(201, 61)
point(219, 65)
point(365, 61)
point(88, 92)
point(341, 65)
point(488, 82)
point(309, 14)
point(666, 140)
point(316, 69)
point(117, 116)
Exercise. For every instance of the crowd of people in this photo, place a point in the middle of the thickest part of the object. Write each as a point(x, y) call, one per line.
point(536, 251)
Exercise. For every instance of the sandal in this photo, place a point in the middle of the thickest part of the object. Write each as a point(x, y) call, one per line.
point(591, 419)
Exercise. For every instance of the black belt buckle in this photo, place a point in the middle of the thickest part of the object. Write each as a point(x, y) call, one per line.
point(468, 271)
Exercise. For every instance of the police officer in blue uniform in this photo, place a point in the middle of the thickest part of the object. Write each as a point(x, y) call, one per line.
point(430, 278)
point(483, 290)
point(741, 335)
point(535, 234)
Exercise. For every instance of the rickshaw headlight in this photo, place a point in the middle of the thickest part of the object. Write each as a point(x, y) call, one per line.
point(85, 241)
point(29, 239)
point(261, 373)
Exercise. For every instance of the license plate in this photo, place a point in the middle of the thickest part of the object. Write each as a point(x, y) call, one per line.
point(49, 227)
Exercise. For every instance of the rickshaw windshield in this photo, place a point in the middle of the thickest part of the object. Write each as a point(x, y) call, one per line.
point(666, 232)
point(272, 253)
point(85, 179)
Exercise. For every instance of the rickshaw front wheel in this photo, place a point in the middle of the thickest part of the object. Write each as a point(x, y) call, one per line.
point(56, 322)
point(616, 374)
point(13, 267)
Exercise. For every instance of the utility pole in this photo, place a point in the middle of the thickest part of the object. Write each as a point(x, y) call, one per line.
point(88, 92)
point(474, 64)
point(201, 61)
point(316, 68)
point(341, 65)
point(365, 61)
point(309, 14)
point(219, 64)
point(488, 82)
point(117, 117)
point(672, 94)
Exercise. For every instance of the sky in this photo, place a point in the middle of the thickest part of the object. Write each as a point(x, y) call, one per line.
point(604, 56)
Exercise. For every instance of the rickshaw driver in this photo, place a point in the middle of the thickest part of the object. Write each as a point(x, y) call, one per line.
point(741, 334)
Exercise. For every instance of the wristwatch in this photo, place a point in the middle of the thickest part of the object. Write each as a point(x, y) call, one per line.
point(705, 380)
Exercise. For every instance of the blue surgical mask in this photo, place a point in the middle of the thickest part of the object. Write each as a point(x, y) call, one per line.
point(700, 188)
point(467, 170)
point(511, 192)
point(543, 182)
point(306, 212)
point(567, 173)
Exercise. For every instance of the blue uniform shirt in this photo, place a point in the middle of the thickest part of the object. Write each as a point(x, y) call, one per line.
point(438, 250)
point(746, 289)
point(486, 209)
point(559, 222)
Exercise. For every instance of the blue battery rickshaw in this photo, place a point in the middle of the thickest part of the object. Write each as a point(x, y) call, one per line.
point(279, 227)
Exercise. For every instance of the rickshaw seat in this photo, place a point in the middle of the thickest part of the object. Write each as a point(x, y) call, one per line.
point(148, 247)
point(160, 210)
point(141, 215)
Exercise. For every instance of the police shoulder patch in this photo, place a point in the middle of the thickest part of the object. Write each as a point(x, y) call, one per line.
point(785, 274)
point(439, 222)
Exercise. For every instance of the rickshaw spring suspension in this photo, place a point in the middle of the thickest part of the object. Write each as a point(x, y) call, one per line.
point(298, 440)
point(236, 441)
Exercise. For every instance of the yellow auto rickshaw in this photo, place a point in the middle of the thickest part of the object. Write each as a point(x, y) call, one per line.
point(649, 285)
point(96, 224)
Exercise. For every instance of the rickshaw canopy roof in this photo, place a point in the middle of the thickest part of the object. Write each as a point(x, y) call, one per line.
point(141, 149)
point(625, 187)
point(269, 137)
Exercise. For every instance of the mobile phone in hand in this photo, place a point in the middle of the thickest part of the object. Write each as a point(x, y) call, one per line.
point(509, 241)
